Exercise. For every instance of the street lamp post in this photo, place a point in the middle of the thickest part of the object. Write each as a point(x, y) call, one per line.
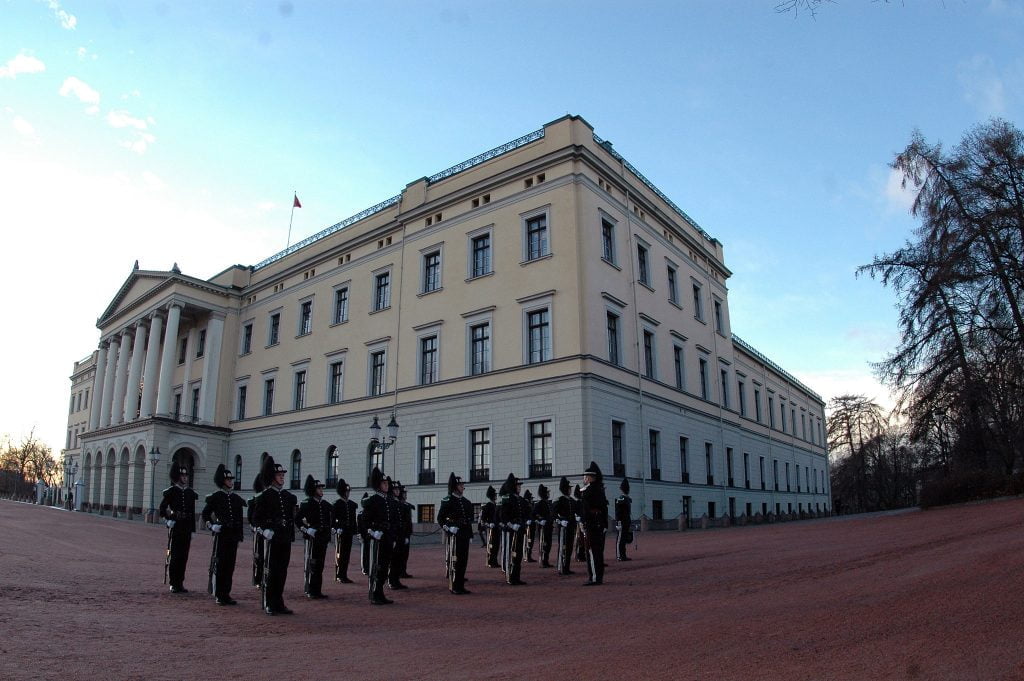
point(376, 444)
point(154, 458)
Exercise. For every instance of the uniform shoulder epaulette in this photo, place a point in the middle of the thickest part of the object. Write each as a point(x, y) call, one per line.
point(447, 498)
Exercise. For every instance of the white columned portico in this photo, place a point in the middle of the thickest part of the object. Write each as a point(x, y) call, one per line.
point(97, 386)
point(131, 394)
point(149, 375)
point(163, 393)
point(120, 380)
point(113, 345)
point(211, 368)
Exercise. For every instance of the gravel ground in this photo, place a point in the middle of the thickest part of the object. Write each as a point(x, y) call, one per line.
point(914, 595)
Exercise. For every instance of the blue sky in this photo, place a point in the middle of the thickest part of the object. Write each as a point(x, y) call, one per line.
point(177, 131)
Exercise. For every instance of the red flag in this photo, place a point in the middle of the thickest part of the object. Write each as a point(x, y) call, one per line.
point(296, 203)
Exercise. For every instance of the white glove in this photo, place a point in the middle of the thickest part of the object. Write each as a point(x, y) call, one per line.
point(542, 522)
point(515, 527)
point(563, 523)
point(376, 534)
point(490, 525)
point(215, 528)
point(310, 532)
point(618, 526)
point(268, 534)
point(407, 541)
point(529, 522)
point(453, 529)
point(339, 530)
point(170, 524)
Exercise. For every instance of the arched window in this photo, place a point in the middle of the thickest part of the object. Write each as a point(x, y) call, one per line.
point(296, 469)
point(238, 472)
point(332, 467)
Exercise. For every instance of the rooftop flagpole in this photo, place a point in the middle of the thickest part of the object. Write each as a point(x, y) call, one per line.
point(295, 204)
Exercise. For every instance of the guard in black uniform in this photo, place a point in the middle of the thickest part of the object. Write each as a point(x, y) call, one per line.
point(178, 508)
point(594, 521)
point(489, 519)
point(456, 520)
point(275, 516)
point(402, 531)
point(314, 521)
point(623, 521)
point(542, 525)
point(224, 517)
point(382, 516)
point(513, 516)
point(531, 533)
point(364, 537)
point(257, 538)
point(344, 531)
point(565, 519)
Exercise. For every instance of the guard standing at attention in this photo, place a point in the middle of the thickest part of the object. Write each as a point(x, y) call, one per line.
point(275, 516)
point(402, 532)
point(225, 518)
point(594, 521)
point(381, 517)
point(344, 531)
point(542, 525)
point(565, 518)
point(405, 546)
point(513, 518)
point(531, 533)
point(314, 521)
point(489, 519)
point(623, 521)
point(456, 518)
point(257, 538)
point(581, 548)
point(178, 508)
point(364, 537)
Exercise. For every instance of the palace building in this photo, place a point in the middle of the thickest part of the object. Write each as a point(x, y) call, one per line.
point(528, 310)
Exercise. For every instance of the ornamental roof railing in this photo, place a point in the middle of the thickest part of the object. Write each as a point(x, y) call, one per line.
point(775, 367)
point(607, 146)
point(487, 156)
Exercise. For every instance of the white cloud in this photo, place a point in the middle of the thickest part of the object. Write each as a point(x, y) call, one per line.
point(139, 143)
point(84, 93)
point(24, 128)
point(837, 382)
point(123, 119)
point(897, 197)
point(66, 19)
point(22, 63)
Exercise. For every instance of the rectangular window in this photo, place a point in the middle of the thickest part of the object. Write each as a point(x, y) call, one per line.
point(241, 401)
point(803, 425)
point(481, 255)
point(677, 360)
point(757, 405)
point(336, 382)
point(177, 406)
point(719, 322)
point(428, 360)
point(657, 510)
point(792, 420)
point(742, 394)
point(746, 470)
point(673, 287)
point(654, 450)
point(480, 451)
point(771, 411)
point(684, 458)
point(201, 345)
point(377, 375)
point(305, 318)
point(536, 237)
point(709, 461)
point(340, 305)
point(425, 514)
point(608, 241)
point(300, 390)
point(431, 271)
point(613, 338)
point(728, 466)
point(539, 349)
point(648, 354)
point(698, 305)
point(775, 473)
point(787, 477)
point(643, 267)
point(480, 351)
point(275, 329)
point(195, 404)
point(268, 397)
point(760, 470)
point(725, 388)
point(704, 378)
point(540, 449)
point(618, 464)
point(382, 291)
point(782, 415)
point(247, 339)
point(428, 459)
point(183, 350)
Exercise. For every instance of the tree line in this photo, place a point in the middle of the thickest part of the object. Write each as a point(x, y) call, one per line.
point(25, 462)
point(958, 370)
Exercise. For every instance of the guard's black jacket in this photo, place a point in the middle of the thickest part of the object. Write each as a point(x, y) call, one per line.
point(623, 510)
point(225, 509)
point(316, 513)
point(344, 515)
point(514, 509)
point(381, 512)
point(564, 509)
point(179, 504)
point(275, 510)
point(594, 507)
point(457, 511)
point(489, 513)
point(542, 511)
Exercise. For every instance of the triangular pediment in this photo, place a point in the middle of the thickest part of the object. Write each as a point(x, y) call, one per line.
point(144, 284)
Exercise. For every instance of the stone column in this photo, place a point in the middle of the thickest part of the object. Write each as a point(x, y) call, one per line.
point(97, 386)
point(113, 345)
point(120, 380)
point(211, 369)
point(131, 394)
point(149, 375)
point(163, 393)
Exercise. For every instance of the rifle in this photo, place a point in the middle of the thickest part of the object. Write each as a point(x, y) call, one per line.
point(257, 558)
point(167, 557)
point(265, 575)
point(307, 568)
point(371, 566)
point(211, 584)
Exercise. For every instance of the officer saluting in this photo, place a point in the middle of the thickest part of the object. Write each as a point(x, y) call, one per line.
point(275, 516)
point(344, 531)
point(623, 521)
point(456, 519)
point(594, 522)
point(565, 518)
point(224, 517)
point(314, 521)
point(178, 507)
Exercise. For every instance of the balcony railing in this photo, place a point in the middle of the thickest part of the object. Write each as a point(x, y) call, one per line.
point(479, 474)
point(427, 477)
point(540, 470)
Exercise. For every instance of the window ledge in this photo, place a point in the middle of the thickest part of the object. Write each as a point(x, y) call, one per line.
point(546, 256)
point(343, 321)
point(480, 276)
point(427, 293)
point(383, 309)
point(611, 263)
